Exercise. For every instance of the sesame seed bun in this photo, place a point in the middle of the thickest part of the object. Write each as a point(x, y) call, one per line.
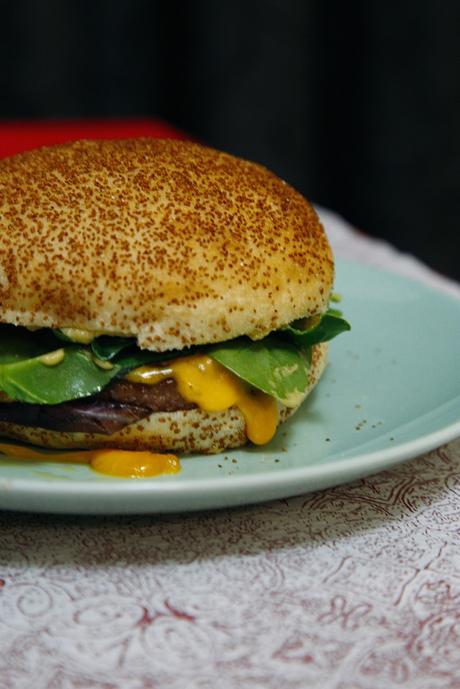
point(186, 431)
point(167, 241)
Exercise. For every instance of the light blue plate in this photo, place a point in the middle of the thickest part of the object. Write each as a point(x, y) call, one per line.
point(391, 392)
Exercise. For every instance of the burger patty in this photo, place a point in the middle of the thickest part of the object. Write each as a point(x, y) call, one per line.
point(107, 412)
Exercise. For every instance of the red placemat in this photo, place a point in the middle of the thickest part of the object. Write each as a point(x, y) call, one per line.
point(25, 135)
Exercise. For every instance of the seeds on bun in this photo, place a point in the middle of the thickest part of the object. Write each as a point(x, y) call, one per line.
point(156, 294)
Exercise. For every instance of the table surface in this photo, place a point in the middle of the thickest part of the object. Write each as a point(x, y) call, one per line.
point(357, 587)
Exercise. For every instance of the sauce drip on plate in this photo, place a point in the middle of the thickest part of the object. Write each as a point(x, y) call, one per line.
point(120, 463)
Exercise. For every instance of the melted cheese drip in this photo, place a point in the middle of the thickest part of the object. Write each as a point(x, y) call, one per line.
point(121, 463)
point(213, 388)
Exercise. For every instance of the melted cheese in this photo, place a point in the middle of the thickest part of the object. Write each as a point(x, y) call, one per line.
point(214, 388)
point(122, 463)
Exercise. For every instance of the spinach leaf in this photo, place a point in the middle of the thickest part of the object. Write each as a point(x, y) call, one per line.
point(17, 343)
point(124, 352)
point(273, 365)
point(132, 358)
point(25, 378)
point(107, 348)
point(330, 325)
point(30, 380)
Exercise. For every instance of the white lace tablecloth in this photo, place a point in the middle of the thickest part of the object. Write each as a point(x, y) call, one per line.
point(357, 587)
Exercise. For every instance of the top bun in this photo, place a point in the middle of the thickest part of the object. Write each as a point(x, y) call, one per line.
point(167, 241)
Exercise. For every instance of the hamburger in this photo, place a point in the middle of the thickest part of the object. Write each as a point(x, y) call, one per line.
point(156, 294)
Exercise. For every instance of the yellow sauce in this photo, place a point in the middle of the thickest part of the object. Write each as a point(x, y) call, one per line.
point(213, 388)
point(80, 335)
point(105, 365)
point(127, 464)
point(121, 463)
point(52, 358)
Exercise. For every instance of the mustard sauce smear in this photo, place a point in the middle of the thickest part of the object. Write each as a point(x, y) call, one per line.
point(213, 388)
point(119, 463)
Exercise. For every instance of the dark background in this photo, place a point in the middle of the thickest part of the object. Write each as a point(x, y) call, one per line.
point(357, 104)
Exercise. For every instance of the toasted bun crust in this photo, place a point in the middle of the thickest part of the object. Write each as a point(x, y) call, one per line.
point(170, 242)
point(194, 430)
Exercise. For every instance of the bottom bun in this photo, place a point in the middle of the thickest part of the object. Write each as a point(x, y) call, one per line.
point(192, 430)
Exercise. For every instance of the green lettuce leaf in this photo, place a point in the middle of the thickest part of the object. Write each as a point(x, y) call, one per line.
point(107, 348)
point(30, 380)
point(330, 325)
point(18, 343)
point(126, 355)
point(273, 365)
point(132, 358)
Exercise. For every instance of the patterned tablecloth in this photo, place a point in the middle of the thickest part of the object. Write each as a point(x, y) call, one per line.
point(357, 587)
